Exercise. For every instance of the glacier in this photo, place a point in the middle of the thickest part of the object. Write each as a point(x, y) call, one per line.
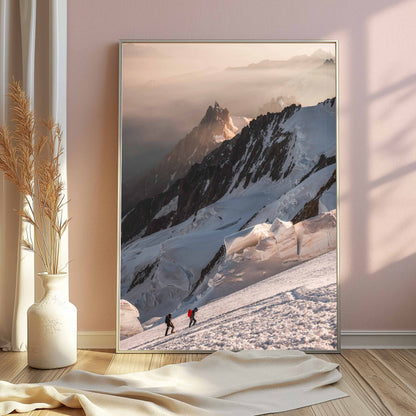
point(271, 211)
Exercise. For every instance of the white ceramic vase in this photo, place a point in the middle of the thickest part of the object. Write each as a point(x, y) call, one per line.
point(52, 326)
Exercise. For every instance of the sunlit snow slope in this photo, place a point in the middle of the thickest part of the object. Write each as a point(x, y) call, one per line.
point(295, 309)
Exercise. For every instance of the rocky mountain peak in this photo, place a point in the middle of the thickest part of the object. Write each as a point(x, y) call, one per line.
point(215, 127)
point(215, 114)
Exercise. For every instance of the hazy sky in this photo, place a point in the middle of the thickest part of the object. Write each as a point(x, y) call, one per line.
point(156, 61)
point(167, 88)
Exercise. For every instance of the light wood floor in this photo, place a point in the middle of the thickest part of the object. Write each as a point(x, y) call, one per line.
point(379, 382)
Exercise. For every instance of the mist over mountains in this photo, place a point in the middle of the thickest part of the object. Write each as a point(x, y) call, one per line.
point(157, 118)
point(295, 62)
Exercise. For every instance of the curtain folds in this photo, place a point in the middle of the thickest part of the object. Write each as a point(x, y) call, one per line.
point(32, 50)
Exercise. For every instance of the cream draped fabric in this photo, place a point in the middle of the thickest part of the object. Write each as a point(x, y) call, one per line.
point(32, 50)
point(223, 384)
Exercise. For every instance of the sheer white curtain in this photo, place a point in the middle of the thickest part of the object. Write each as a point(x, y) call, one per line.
point(33, 37)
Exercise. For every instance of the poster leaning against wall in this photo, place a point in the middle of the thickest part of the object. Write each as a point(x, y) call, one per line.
point(227, 196)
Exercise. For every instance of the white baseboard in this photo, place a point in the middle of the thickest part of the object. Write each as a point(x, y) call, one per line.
point(378, 339)
point(349, 339)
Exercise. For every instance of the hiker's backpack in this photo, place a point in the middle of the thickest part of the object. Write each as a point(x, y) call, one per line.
point(189, 313)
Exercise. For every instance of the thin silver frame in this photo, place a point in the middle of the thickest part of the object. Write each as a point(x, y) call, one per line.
point(120, 121)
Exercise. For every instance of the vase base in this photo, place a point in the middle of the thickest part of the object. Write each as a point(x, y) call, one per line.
point(39, 366)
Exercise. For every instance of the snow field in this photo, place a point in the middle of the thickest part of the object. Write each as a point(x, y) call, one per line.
point(295, 309)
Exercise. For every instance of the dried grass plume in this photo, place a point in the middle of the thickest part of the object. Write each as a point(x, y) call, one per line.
point(31, 162)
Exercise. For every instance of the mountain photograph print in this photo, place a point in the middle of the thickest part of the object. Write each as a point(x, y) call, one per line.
point(228, 196)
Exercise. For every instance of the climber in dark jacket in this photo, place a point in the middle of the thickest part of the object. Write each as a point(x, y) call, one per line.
point(192, 320)
point(169, 323)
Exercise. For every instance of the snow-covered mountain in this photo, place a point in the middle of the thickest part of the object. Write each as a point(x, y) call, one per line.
point(283, 148)
point(215, 127)
point(281, 166)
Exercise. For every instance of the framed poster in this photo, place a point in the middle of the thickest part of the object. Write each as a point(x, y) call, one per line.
point(227, 232)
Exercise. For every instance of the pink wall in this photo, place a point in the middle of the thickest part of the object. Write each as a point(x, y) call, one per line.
point(377, 92)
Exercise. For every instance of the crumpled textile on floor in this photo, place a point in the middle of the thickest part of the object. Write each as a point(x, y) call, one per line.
point(225, 383)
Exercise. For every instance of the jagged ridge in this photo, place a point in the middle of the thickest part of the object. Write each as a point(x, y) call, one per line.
point(237, 162)
point(215, 127)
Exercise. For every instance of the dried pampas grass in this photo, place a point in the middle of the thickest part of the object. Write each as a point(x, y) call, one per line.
point(31, 163)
